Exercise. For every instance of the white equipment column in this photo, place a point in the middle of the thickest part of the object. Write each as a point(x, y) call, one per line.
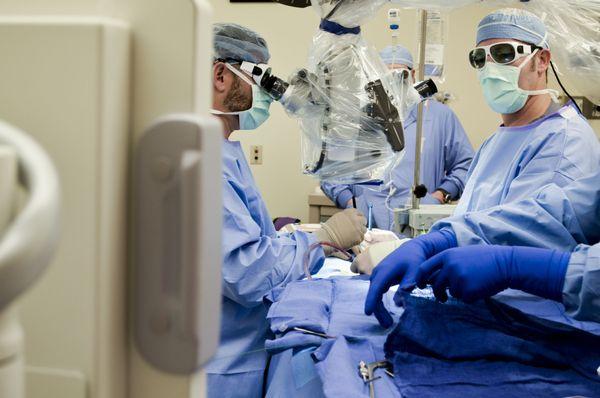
point(12, 377)
point(28, 241)
point(65, 80)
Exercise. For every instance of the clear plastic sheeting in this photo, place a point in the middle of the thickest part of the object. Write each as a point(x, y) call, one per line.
point(347, 13)
point(435, 45)
point(574, 36)
point(573, 32)
point(433, 4)
point(349, 105)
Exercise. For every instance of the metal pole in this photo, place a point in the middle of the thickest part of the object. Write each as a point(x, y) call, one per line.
point(419, 139)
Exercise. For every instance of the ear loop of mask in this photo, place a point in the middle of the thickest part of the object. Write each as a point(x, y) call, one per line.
point(241, 76)
point(564, 89)
point(553, 93)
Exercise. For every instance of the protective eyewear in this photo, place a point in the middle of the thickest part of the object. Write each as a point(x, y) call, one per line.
point(257, 71)
point(400, 74)
point(501, 53)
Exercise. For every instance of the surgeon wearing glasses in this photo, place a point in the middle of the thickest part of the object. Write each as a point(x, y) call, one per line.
point(256, 259)
point(540, 146)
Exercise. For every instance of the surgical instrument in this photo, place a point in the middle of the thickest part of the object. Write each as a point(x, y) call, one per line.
point(311, 332)
point(367, 372)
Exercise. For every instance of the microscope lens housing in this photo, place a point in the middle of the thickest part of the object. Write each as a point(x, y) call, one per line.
point(426, 88)
point(273, 85)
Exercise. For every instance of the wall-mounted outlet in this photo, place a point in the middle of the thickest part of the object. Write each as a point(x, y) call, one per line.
point(256, 154)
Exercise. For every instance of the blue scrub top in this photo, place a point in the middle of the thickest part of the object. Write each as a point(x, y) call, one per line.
point(446, 157)
point(534, 185)
point(539, 185)
point(581, 292)
point(256, 259)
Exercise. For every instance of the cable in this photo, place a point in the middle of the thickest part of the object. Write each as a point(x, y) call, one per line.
point(563, 87)
point(334, 9)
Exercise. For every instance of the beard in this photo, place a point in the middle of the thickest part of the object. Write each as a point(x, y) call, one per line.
point(235, 100)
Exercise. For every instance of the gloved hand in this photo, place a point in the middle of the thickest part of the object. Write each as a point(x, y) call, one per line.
point(379, 235)
point(401, 267)
point(476, 272)
point(373, 255)
point(346, 229)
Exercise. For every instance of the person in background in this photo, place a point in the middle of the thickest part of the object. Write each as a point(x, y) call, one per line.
point(256, 258)
point(540, 146)
point(446, 155)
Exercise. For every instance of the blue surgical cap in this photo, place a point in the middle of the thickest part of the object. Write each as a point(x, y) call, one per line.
point(512, 23)
point(397, 55)
point(234, 42)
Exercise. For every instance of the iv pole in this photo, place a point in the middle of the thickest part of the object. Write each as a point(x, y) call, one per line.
point(417, 172)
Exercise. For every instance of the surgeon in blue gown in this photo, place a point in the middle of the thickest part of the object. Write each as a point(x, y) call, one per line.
point(445, 160)
point(515, 188)
point(256, 258)
point(572, 278)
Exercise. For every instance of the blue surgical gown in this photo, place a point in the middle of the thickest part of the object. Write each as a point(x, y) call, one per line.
point(255, 260)
point(518, 168)
point(581, 292)
point(538, 185)
point(555, 216)
point(446, 156)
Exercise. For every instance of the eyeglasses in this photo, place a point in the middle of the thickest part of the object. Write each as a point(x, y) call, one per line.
point(400, 73)
point(501, 53)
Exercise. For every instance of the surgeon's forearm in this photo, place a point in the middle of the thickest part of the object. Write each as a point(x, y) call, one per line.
point(439, 196)
point(253, 270)
point(503, 226)
point(452, 187)
point(344, 199)
point(537, 221)
point(340, 194)
point(581, 291)
point(457, 169)
point(540, 272)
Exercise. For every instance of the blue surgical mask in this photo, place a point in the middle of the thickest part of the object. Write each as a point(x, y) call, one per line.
point(500, 84)
point(258, 113)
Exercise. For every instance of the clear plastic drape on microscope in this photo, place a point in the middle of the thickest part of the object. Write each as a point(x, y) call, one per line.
point(350, 106)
